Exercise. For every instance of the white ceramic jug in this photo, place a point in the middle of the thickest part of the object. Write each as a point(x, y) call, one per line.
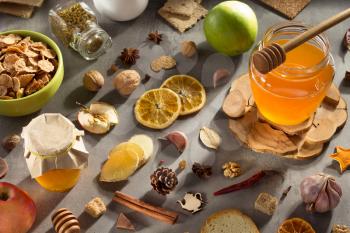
point(121, 10)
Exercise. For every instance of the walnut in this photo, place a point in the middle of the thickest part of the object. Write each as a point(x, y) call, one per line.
point(340, 229)
point(10, 142)
point(93, 80)
point(188, 48)
point(231, 169)
point(127, 81)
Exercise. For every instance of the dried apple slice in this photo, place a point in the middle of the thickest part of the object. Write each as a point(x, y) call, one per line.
point(133, 147)
point(119, 166)
point(109, 111)
point(146, 143)
point(98, 118)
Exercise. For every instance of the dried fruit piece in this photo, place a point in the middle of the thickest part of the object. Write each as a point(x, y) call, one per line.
point(192, 202)
point(231, 169)
point(98, 118)
point(179, 139)
point(342, 156)
point(190, 90)
point(340, 229)
point(119, 166)
point(124, 223)
point(158, 108)
point(93, 80)
point(155, 36)
point(133, 147)
point(3, 168)
point(146, 143)
point(234, 104)
point(182, 165)
point(202, 171)
point(126, 82)
point(129, 56)
point(220, 75)
point(188, 48)
point(164, 180)
point(210, 138)
point(10, 142)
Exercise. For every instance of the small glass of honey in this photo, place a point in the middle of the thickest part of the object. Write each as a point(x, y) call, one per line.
point(54, 151)
point(291, 93)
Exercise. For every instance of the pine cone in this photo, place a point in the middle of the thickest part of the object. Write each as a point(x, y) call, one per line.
point(163, 180)
point(202, 171)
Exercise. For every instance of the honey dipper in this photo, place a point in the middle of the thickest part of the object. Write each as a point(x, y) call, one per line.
point(274, 54)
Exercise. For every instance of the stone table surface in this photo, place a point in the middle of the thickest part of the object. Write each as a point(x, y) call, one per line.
point(133, 34)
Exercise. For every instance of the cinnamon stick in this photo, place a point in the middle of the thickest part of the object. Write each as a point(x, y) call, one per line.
point(155, 212)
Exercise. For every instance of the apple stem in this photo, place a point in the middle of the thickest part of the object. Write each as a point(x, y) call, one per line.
point(4, 196)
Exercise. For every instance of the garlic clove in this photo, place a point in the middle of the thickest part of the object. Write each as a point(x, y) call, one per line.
point(210, 138)
point(178, 138)
point(219, 75)
point(93, 123)
point(106, 110)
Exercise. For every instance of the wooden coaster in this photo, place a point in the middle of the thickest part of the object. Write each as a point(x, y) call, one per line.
point(288, 8)
point(303, 141)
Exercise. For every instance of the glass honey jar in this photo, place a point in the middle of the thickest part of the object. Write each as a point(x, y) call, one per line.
point(54, 151)
point(291, 93)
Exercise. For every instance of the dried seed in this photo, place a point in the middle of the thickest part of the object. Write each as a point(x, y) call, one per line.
point(210, 138)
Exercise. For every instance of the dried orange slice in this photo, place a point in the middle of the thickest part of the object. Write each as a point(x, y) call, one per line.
point(190, 90)
point(157, 108)
point(295, 225)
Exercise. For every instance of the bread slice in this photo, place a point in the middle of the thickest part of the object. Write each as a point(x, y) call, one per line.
point(229, 221)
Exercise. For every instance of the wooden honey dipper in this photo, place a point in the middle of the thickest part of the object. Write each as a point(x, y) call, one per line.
point(274, 54)
point(65, 221)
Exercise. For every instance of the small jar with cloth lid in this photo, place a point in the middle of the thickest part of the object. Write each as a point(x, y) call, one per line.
point(54, 151)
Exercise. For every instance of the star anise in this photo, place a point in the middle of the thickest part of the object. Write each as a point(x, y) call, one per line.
point(156, 37)
point(129, 55)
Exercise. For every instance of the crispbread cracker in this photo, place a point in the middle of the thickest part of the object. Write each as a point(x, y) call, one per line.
point(37, 3)
point(163, 62)
point(288, 8)
point(182, 23)
point(23, 11)
point(179, 7)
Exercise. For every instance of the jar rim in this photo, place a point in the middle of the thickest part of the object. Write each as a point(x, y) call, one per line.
point(299, 27)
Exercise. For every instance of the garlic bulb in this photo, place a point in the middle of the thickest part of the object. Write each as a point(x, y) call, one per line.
point(320, 192)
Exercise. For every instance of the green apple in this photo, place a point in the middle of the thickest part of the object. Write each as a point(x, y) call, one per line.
point(231, 27)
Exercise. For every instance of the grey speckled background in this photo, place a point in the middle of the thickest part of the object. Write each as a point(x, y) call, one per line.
point(133, 34)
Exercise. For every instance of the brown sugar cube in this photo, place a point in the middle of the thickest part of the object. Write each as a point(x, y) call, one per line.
point(95, 207)
point(266, 203)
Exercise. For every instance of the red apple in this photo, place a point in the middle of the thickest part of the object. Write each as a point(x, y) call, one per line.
point(17, 209)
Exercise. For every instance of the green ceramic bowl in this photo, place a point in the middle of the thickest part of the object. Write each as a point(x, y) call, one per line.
point(34, 102)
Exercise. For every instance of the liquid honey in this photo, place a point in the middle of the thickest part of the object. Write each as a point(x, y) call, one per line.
point(291, 93)
point(59, 180)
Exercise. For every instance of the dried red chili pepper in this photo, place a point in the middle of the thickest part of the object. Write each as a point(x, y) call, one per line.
point(246, 183)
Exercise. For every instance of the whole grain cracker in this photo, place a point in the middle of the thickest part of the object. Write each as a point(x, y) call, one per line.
point(180, 7)
point(163, 62)
point(288, 8)
point(182, 23)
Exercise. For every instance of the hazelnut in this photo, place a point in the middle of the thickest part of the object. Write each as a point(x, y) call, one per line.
point(10, 142)
point(188, 48)
point(127, 81)
point(93, 80)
